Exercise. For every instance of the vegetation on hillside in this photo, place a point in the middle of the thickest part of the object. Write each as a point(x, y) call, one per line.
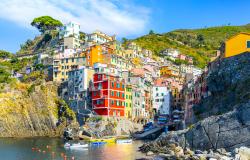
point(7, 67)
point(201, 44)
point(48, 39)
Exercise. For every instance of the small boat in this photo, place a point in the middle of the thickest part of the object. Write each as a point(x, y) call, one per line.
point(106, 140)
point(124, 141)
point(75, 145)
point(98, 143)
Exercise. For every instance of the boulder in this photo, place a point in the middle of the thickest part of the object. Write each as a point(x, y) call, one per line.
point(243, 153)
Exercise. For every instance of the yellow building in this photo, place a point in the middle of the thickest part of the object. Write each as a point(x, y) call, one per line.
point(62, 66)
point(165, 71)
point(169, 71)
point(94, 55)
point(235, 45)
point(128, 101)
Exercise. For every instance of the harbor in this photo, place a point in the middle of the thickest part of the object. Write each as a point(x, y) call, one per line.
point(53, 148)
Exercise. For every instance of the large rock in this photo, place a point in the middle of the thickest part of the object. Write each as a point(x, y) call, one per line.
point(229, 131)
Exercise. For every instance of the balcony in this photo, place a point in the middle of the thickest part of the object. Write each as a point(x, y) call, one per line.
point(93, 88)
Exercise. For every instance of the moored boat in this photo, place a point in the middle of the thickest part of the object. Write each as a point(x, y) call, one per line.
point(75, 145)
point(124, 141)
point(106, 140)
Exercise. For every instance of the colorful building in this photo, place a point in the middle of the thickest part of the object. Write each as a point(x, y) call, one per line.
point(235, 45)
point(99, 37)
point(161, 99)
point(128, 101)
point(78, 88)
point(70, 29)
point(62, 66)
point(108, 92)
point(94, 55)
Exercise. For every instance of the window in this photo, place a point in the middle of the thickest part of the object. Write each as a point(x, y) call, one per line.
point(112, 93)
point(248, 44)
point(126, 96)
point(72, 59)
point(157, 94)
point(123, 86)
point(99, 76)
point(118, 94)
point(122, 95)
point(67, 60)
point(117, 103)
point(156, 88)
point(112, 102)
point(162, 94)
point(112, 84)
point(117, 85)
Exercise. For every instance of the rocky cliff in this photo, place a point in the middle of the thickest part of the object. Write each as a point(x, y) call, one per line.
point(229, 85)
point(32, 110)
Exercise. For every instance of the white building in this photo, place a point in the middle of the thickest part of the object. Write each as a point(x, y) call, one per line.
point(166, 104)
point(70, 29)
point(161, 99)
point(98, 37)
point(171, 53)
point(197, 72)
point(78, 82)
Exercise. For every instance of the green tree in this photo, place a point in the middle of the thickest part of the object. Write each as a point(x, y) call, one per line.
point(5, 54)
point(124, 40)
point(82, 36)
point(200, 38)
point(46, 23)
point(151, 32)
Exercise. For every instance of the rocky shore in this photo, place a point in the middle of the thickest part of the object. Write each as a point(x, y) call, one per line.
point(218, 137)
point(174, 151)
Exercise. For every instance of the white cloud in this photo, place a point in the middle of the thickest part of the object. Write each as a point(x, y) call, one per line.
point(110, 16)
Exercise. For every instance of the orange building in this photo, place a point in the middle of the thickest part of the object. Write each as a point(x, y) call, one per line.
point(98, 54)
point(94, 55)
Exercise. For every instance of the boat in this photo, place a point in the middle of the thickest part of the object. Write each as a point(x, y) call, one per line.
point(124, 141)
point(106, 140)
point(98, 143)
point(75, 145)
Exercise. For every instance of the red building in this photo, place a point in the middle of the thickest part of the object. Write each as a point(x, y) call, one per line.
point(108, 95)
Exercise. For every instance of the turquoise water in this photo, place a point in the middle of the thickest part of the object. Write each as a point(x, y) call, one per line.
point(52, 149)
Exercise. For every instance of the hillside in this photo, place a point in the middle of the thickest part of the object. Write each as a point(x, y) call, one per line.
point(201, 44)
point(41, 43)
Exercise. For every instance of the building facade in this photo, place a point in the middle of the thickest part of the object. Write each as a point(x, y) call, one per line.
point(108, 93)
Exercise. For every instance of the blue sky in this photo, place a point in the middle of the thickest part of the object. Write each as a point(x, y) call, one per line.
point(125, 18)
